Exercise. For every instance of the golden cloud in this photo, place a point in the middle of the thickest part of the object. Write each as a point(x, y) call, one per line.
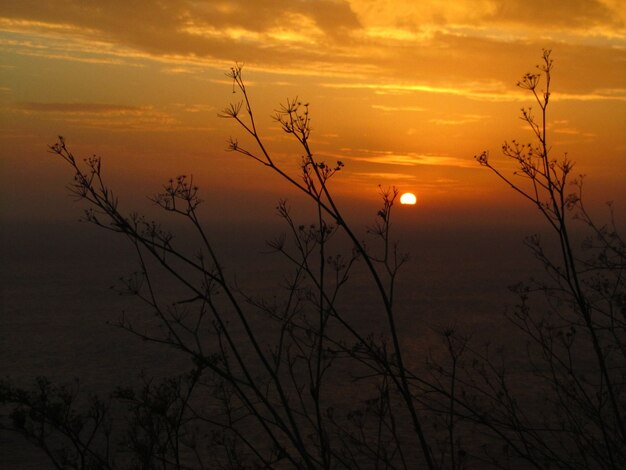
point(388, 157)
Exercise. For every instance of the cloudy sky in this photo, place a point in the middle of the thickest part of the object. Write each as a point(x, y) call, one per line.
point(405, 93)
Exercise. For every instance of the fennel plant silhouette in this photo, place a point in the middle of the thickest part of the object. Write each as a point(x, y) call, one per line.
point(260, 391)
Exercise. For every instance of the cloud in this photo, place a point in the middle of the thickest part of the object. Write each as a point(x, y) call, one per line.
point(492, 91)
point(388, 157)
point(383, 175)
point(617, 94)
point(563, 127)
point(103, 116)
point(460, 120)
point(389, 109)
point(197, 108)
point(78, 108)
point(178, 70)
point(533, 14)
point(205, 30)
point(422, 42)
point(430, 52)
point(59, 46)
point(488, 91)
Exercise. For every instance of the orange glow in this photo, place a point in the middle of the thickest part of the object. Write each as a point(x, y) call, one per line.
point(149, 102)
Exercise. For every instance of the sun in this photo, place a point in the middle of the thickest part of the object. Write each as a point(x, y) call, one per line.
point(408, 199)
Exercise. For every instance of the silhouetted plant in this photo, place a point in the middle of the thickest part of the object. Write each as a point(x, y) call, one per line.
point(573, 320)
point(48, 416)
point(260, 405)
point(266, 377)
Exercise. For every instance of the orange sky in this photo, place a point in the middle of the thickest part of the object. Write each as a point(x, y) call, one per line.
point(403, 92)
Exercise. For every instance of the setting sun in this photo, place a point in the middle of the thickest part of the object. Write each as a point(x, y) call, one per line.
point(408, 199)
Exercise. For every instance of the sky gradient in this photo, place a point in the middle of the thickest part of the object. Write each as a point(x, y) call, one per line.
point(404, 93)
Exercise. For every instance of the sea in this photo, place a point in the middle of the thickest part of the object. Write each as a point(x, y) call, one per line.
point(58, 307)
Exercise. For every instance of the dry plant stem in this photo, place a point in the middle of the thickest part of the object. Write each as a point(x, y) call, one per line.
point(329, 299)
point(548, 185)
point(51, 411)
point(322, 197)
point(324, 304)
point(452, 416)
point(92, 188)
point(467, 411)
point(266, 403)
point(316, 383)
